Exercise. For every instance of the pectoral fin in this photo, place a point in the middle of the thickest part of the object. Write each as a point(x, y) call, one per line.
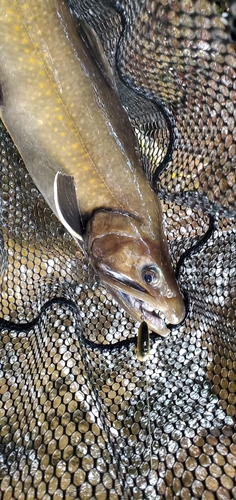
point(67, 205)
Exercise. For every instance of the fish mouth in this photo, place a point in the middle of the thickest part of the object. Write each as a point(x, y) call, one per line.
point(158, 314)
point(143, 311)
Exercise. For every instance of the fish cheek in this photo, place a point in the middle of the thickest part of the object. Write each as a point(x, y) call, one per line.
point(108, 250)
point(117, 253)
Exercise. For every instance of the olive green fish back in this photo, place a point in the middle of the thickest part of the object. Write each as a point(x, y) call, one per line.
point(80, 416)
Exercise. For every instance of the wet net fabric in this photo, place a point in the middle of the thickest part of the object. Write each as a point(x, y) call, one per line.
point(80, 416)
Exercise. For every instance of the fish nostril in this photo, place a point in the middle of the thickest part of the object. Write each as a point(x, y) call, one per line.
point(169, 294)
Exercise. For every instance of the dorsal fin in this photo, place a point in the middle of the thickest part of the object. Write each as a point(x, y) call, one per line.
point(67, 205)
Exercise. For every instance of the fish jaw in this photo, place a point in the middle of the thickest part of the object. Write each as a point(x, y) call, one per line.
point(142, 307)
point(141, 311)
point(126, 259)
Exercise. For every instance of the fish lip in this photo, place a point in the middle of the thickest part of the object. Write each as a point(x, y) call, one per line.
point(153, 318)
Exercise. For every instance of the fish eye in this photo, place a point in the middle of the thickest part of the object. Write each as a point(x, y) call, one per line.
point(151, 275)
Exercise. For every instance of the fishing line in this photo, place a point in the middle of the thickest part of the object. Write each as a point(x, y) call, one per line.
point(149, 420)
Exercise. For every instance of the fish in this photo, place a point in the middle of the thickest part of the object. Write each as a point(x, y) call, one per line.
point(143, 342)
point(78, 145)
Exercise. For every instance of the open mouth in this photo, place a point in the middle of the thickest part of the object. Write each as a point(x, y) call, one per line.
point(143, 311)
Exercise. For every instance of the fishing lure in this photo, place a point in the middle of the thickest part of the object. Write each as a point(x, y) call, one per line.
point(143, 342)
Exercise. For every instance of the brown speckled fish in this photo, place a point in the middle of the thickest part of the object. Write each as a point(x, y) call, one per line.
point(79, 148)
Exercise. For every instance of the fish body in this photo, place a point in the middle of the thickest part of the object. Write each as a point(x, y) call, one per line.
point(79, 147)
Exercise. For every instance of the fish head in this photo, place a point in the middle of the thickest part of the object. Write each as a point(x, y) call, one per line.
point(136, 268)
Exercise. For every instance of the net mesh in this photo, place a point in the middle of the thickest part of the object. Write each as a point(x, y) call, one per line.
point(80, 416)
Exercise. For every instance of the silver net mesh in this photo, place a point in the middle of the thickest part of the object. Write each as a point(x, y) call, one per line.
point(80, 416)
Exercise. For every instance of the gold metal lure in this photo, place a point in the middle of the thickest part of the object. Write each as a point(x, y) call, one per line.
point(143, 342)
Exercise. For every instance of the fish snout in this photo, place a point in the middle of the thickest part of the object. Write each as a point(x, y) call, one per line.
point(175, 311)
